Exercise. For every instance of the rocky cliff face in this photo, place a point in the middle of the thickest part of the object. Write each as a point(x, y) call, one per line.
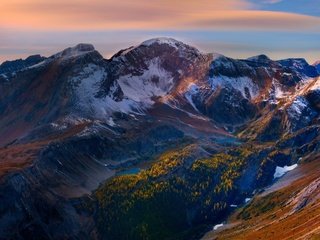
point(195, 122)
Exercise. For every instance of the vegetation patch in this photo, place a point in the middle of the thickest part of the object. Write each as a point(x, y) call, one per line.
point(178, 194)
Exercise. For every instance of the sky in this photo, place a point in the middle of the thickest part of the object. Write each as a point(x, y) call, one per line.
point(236, 28)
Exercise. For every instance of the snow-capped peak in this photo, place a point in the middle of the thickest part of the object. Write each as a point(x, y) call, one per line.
point(162, 40)
point(78, 50)
point(176, 45)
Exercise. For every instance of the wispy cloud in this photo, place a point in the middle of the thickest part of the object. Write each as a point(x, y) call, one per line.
point(106, 13)
point(26, 24)
point(146, 14)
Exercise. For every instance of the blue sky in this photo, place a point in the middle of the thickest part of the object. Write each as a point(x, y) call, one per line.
point(236, 28)
point(307, 7)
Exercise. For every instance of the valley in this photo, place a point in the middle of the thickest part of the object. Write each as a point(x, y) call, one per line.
point(161, 141)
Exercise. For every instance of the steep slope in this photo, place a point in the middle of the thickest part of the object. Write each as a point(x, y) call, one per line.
point(287, 210)
point(157, 123)
point(42, 93)
point(79, 83)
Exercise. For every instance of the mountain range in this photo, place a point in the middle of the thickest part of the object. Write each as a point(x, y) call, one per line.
point(161, 141)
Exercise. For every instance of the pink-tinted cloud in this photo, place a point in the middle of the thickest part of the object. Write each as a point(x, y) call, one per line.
point(106, 13)
point(145, 15)
point(30, 26)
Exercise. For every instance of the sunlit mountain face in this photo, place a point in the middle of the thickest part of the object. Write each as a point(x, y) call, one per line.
point(208, 132)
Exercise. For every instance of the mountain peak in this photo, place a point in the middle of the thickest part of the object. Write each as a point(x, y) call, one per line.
point(259, 58)
point(80, 49)
point(83, 47)
point(156, 47)
point(162, 40)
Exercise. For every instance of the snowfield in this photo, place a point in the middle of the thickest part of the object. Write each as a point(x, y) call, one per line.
point(240, 84)
point(297, 107)
point(138, 91)
point(155, 82)
point(280, 171)
point(217, 226)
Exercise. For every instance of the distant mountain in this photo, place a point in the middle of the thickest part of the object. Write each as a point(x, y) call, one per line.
point(76, 129)
point(10, 67)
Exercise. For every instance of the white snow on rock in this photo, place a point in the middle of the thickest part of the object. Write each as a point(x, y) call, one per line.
point(280, 171)
point(57, 126)
point(298, 63)
point(73, 52)
point(247, 200)
point(217, 226)
point(154, 82)
point(87, 84)
point(42, 63)
point(4, 76)
point(111, 122)
point(297, 107)
point(107, 105)
point(138, 91)
point(233, 205)
point(240, 84)
point(286, 74)
point(193, 89)
point(162, 40)
point(278, 92)
point(221, 61)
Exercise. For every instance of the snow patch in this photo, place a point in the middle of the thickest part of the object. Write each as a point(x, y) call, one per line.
point(88, 84)
point(286, 74)
point(39, 64)
point(217, 226)
point(222, 62)
point(193, 89)
point(154, 82)
point(240, 84)
point(111, 122)
point(297, 107)
point(280, 171)
point(169, 41)
point(139, 91)
point(4, 76)
point(73, 52)
point(278, 93)
point(297, 64)
point(247, 200)
point(59, 127)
